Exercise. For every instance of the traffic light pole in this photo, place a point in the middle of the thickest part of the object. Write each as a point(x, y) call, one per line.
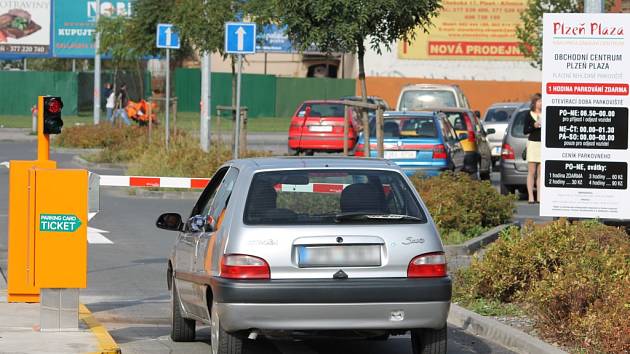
point(43, 140)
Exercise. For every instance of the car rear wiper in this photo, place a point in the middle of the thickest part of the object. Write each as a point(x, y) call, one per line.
point(368, 216)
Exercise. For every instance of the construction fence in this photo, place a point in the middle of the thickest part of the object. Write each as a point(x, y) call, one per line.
point(263, 95)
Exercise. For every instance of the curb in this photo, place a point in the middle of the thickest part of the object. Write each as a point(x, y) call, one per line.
point(499, 332)
point(106, 343)
point(473, 245)
point(64, 150)
point(101, 166)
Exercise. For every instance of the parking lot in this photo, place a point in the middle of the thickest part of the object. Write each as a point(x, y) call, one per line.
point(127, 281)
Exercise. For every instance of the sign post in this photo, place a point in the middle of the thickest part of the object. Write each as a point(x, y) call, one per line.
point(585, 156)
point(167, 37)
point(240, 38)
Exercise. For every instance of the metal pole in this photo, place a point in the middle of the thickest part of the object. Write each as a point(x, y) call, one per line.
point(74, 65)
point(168, 93)
point(97, 68)
point(25, 65)
point(237, 121)
point(204, 133)
point(594, 6)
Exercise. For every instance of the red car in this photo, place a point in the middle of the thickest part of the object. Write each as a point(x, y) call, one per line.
point(317, 126)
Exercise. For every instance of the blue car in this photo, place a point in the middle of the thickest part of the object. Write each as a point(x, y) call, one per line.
point(418, 142)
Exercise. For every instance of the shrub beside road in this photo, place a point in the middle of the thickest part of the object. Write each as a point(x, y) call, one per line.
point(463, 208)
point(572, 279)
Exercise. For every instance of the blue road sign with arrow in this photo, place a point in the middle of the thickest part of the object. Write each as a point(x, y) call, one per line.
point(167, 36)
point(240, 38)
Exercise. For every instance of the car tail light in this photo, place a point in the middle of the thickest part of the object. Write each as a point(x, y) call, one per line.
point(242, 266)
point(439, 152)
point(359, 150)
point(469, 127)
point(430, 265)
point(507, 153)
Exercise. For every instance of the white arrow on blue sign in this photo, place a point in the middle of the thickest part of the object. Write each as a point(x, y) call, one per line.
point(167, 36)
point(240, 38)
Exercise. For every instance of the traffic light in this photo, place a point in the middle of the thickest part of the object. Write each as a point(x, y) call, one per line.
point(52, 115)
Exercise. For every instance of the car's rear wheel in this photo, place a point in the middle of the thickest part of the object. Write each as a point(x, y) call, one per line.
point(428, 341)
point(182, 329)
point(222, 341)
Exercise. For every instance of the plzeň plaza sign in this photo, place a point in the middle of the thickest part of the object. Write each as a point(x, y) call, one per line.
point(586, 71)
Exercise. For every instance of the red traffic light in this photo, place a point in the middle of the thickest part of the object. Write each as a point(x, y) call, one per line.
point(54, 106)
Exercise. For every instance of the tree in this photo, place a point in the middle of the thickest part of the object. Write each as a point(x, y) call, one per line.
point(529, 33)
point(346, 25)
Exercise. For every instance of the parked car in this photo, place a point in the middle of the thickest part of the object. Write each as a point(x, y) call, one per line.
point(423, 96)
point(418, 142)
point(513, 162)
point(282, 246)
point(478, 158)
point(497, 117)
point(317, 126)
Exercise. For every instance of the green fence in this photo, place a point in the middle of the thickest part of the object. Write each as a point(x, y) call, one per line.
point(19, 90)
point(258, 92)
point(290, 92)
point(263, 95)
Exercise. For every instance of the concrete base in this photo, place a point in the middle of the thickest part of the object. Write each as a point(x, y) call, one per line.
point(59, 310)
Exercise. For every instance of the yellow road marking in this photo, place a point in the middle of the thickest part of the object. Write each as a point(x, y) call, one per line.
point(106, 343)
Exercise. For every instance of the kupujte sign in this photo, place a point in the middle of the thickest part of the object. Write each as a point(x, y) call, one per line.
point(586, 70)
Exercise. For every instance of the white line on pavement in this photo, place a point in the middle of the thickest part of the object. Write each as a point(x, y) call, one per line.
point(5, 164)
point(95, 236)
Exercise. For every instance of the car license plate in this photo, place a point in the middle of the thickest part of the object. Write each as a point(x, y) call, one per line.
point(339, 256)
point(320, 128)
point(496, 151)
point(399, 154)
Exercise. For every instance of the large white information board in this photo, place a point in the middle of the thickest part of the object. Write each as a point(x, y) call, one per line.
point(586, 74)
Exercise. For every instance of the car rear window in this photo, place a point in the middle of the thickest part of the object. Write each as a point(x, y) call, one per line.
point(306, 197)
point(407, 127)
point(322, 110)
point(457, 120)
point(519, 124)
point(498, 115)
point(415, 100)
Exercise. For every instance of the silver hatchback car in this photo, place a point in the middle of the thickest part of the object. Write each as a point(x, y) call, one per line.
point(279, 246)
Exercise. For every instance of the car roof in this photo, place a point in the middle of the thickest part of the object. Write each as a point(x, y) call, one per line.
point(322, 101)
point(431, 86)
point(281, 163)
point(397, 114)
point(506, 104)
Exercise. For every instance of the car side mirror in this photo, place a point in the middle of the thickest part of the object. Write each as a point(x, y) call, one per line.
point(490, 131)
point(170, 221)
point(463, 136)
point(477, 114)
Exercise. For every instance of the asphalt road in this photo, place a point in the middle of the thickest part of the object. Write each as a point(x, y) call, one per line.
point(127, 284)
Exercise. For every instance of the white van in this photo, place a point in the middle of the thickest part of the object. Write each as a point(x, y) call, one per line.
point(422, 96)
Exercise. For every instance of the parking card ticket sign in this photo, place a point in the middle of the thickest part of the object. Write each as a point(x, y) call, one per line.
point(59, 223)
point(586, 71)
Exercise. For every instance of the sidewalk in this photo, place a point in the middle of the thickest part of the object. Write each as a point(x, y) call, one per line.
point(19, 332)
point(16, 134)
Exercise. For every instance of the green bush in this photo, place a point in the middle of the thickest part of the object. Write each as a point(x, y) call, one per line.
point(573, 279)
point(98, 136)
point(461, 207)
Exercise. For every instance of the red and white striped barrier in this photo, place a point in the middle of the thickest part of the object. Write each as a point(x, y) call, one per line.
point(146, 181)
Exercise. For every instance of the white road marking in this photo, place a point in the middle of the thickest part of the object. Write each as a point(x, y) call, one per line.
point(5, 164)
point(95, 236)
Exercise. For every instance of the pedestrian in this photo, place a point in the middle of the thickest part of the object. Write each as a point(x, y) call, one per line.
point(121, 104)
point(533, 122)
point(110, 105)
point(107, 90)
